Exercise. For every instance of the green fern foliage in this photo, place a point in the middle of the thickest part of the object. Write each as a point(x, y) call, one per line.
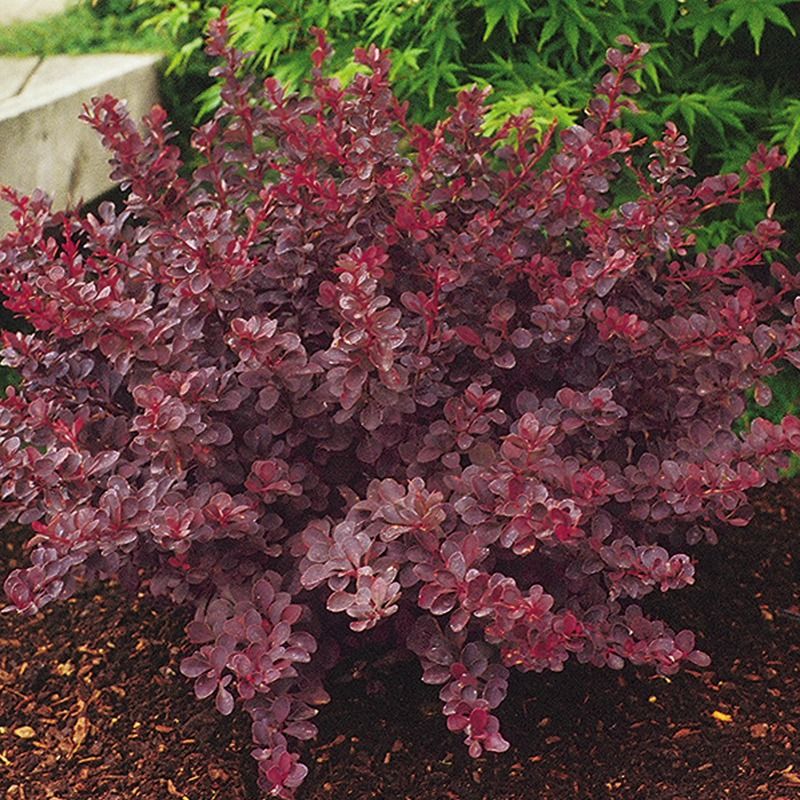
point(786, 127)
point(713, 64)
point(718, 68)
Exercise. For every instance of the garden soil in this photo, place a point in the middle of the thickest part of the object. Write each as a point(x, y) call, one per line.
point(92, 706)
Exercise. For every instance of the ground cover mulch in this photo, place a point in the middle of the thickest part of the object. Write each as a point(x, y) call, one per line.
point(92, 707)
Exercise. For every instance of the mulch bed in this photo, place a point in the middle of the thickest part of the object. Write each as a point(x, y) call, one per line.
point(91, 707)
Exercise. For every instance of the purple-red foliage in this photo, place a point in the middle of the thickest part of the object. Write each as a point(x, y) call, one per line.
point(390, 372)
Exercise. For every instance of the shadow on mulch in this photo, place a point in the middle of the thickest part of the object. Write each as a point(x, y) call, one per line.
point(91, 707)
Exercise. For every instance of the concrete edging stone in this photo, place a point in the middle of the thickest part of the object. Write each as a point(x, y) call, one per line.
point(26, 10)
point(43, 144)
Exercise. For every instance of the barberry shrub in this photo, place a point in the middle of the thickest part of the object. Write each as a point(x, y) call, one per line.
point(475, 392)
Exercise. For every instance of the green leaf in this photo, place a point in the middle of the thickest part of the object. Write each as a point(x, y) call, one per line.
point(509, 11)
point(493, 13)
point(787, 129)
point(652, 72)
point(689, 113)
point(756, 23)
point(668, 10)
point(549, 30)
point(754, 16)
point(181, 58)
point(776, 15)
point(513, 15)
point(572, 35)
point(577, 14)
point(546, 106)
point(208, 101)
point(407, 58)
point(341, 9)
point(697, 16)
point(755, 13)
point(700, 34)
point(791, 142)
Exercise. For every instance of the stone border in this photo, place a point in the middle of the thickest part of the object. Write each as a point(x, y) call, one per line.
point(43, 144)
point(26, 10)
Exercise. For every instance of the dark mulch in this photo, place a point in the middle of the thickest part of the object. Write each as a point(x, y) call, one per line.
point(91, 707)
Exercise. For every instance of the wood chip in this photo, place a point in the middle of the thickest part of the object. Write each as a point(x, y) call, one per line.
point(217, 774)
point(79, 733)
point(25, 732)
point(173, 790)
point(721, 716)
point(334, 743)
